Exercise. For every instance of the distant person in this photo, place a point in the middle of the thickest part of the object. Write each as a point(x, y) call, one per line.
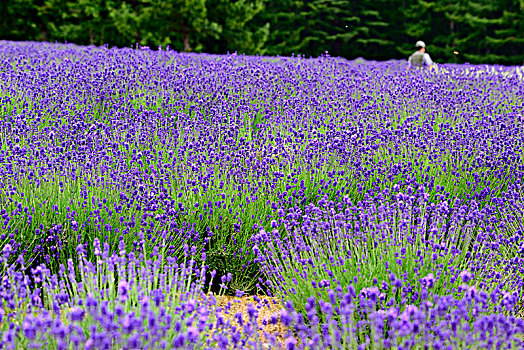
point(420, 58)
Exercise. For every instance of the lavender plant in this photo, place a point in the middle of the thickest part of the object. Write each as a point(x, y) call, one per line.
point(125, 301)
point(392, 247)
point(355, 172)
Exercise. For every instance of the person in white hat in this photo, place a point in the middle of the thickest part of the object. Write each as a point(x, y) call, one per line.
point(420, 58)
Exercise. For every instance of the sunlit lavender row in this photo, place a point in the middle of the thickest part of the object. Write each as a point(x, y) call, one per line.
point(381, 208)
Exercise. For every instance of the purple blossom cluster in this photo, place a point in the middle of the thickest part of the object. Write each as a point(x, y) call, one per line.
point(396, 260)
point(130, 302)
point(120, 301)
point(383, 207)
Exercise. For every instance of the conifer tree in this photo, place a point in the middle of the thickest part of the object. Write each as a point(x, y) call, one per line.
point(238, 31)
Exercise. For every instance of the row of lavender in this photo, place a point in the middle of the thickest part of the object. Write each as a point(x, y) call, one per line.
point(300, 177)
point(442, 298)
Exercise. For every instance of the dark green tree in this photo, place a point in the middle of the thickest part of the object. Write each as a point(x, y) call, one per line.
point(309, 27)
point(86, 21)
point(238, 30)
point(19, 20)
point(375, 34)
point(285, 20)
point(329, 26)
point(479, 31)
point(124, 17)
point(182, 24)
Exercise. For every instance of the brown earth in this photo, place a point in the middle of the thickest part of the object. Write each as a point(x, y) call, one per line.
point(266, 307)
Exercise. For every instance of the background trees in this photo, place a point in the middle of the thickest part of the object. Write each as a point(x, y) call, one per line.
point(482, 31)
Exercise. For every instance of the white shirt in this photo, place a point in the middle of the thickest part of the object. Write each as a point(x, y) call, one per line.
point(425, 58)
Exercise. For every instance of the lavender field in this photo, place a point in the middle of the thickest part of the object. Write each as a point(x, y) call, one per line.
point(140, 189)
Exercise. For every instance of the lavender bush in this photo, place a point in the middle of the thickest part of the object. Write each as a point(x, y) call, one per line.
point(382, 206)
point(376, 242)
point(399, 258)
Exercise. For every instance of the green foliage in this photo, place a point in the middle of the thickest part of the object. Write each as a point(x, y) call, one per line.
point(19, 19)
point(481, 31)
point(178, 23)
point(237, 31)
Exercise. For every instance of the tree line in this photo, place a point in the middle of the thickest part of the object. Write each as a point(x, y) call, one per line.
point(478, 31)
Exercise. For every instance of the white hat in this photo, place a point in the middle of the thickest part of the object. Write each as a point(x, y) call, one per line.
point(420, 44)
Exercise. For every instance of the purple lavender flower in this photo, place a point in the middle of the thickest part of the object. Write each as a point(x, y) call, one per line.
point(77, 314)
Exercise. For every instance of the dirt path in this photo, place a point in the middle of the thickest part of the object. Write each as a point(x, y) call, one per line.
point(266, 307)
